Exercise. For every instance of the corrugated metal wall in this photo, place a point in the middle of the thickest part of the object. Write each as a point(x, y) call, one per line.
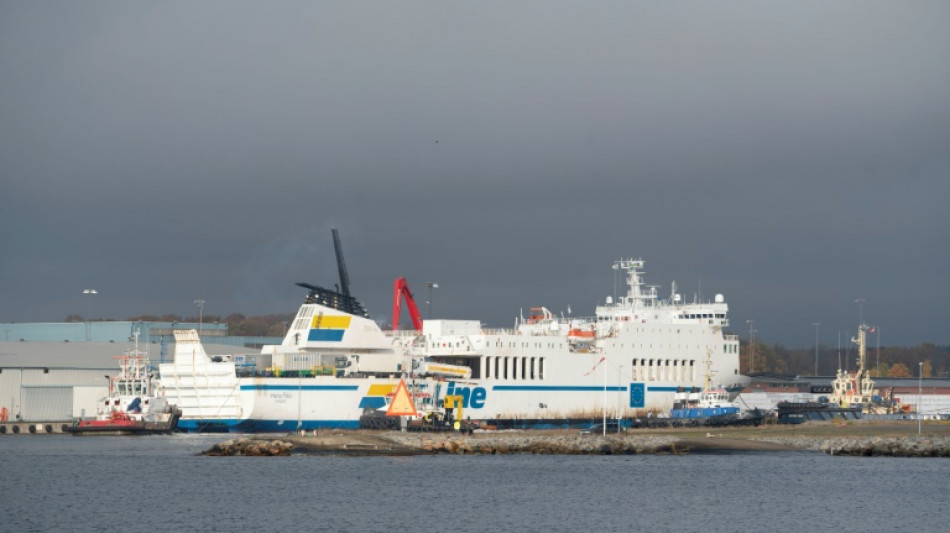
point(42, 404)
point(47, 394)
point(10, 390)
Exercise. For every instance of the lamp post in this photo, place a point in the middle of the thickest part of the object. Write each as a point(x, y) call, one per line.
point(751, 323)
point(431, 285)
point(90, 293)
point(877, 366)
point(201, 306)
point(920, 375)
point(816, 324)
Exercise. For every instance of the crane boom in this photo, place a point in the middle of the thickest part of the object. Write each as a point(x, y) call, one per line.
point(401, 288)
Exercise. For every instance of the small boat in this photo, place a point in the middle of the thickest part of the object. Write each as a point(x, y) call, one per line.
point(130, 408)
point(709, 403)
point(581, 336)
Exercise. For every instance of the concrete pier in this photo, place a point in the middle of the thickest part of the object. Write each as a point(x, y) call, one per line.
point(33, 428)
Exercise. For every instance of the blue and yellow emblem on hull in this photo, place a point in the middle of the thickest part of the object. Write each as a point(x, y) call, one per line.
point(376, 395)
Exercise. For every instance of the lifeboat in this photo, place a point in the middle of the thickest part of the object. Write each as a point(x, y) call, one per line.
point(580, 336)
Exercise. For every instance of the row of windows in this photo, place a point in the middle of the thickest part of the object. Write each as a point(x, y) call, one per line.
point(702, 315)
point(664, 369)
point(499, 344)
point(513, 368)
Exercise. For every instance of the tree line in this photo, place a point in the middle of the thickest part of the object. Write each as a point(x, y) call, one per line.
point(886, 361)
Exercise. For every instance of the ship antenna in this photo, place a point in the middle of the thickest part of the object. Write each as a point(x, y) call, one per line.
point(341, 265)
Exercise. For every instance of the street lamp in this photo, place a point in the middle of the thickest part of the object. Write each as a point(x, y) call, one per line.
point(816, 324)
point(751, 344)
point(920, 375)
point(89, 292)
point(201, 306)
point(431, 285)
point(877, 369)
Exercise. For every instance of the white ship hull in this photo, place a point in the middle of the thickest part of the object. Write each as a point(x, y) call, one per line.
point(644, 350)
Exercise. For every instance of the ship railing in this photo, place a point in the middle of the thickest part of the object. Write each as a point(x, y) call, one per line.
point(499, 331)
point(566, 321)
point(731, 337)
point(401, 333)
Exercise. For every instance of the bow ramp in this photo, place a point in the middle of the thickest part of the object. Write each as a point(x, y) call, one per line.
point(188, 348)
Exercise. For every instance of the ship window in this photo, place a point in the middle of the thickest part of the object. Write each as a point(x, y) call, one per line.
point(488, 367)
point(541, 368)
point(532, 368)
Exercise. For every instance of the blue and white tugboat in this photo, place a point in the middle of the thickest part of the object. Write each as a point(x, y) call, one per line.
point(704, 404)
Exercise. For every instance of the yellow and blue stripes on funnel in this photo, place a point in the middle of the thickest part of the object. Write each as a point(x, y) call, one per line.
point(376, 396)
point(328, 328)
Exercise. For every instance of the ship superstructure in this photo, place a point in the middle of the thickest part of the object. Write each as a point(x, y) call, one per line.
point(630, 357)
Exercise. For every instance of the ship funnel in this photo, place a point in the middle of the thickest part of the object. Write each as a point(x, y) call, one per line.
point(341, 265)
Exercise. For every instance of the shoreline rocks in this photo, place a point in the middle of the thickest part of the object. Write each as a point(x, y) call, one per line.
point(250, 448)
point(395, 443)
point(888, 447)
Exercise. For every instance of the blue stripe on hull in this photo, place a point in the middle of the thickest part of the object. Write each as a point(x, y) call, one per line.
point(301, 387)
point(261, 426)
point(563, 388)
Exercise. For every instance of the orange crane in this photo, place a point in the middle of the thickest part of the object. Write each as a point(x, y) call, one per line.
point(401, 288)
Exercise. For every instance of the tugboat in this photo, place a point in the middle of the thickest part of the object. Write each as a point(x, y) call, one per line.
point(852, 393)
point(708, 406)
point(131, 408)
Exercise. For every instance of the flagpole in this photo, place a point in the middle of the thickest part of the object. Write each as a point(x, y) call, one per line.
point(605, 396)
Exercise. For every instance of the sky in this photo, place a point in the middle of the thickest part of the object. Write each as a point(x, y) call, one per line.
point(792, 156)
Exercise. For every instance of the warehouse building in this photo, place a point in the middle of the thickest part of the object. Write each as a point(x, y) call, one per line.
point(51, 374)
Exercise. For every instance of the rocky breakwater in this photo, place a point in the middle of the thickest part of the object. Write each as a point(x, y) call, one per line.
point(888, 446)
point(545, 445)
point(251, 448)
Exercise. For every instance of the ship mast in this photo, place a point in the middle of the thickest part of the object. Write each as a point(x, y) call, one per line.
point(857, 388)
point(636, 297)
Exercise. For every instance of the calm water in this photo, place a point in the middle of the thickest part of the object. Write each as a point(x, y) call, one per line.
point(159, 483)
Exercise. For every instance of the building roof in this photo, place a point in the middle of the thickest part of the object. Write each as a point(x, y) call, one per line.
point(92, 354)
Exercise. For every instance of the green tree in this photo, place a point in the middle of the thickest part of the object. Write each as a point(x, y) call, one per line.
point(898, 370)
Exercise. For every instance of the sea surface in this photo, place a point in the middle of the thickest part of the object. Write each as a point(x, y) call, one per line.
point(160, 483)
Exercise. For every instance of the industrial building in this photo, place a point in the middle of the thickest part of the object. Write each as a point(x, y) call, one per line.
point(54, 373)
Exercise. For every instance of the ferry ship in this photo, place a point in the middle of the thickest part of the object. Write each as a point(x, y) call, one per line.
point(334, 363)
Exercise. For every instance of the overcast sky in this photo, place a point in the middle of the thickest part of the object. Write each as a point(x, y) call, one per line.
point(794, 156)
